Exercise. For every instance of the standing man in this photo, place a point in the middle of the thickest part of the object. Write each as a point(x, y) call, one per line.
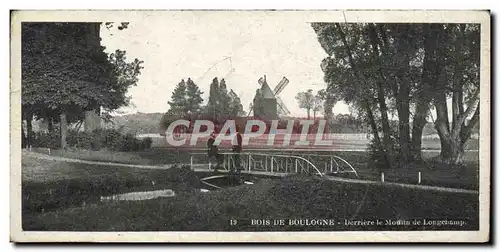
point(213, 151)
point(237, 148)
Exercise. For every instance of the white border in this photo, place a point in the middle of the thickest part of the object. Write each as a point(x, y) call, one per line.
point(358, 236)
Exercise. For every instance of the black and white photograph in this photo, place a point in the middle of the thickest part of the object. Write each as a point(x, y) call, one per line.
point(298, 126)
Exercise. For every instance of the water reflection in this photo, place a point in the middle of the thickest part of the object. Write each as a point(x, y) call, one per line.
point(146, 195)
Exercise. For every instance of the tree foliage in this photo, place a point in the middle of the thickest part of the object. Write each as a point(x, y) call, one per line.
point(186, 98)
point(306, 101)
point(223, 102)
point(66, 72)
point(402, 70)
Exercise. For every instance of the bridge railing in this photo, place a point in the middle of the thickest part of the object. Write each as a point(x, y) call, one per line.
point(331, 164)
point(277, 163)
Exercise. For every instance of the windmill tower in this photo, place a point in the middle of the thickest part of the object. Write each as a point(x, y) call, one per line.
point(266, 103)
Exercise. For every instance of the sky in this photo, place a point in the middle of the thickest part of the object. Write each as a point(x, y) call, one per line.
point(231, 45)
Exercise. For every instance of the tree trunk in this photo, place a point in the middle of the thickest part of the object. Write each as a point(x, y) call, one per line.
point(373, 126)
point(457, 92)
point(29, 130)
point(308, 114)
point(431, 70)
point(404, 122)
point(381, 80)
point(419, 122)
point(50, 125)
point(452, 151)
point(466, 132)
point(442, 123)
point(64, 130)
point(23, 137)
point(386, 128)
point(402, 93)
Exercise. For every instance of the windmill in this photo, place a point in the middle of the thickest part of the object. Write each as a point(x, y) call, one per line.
point(266, 100)
point(283, 110)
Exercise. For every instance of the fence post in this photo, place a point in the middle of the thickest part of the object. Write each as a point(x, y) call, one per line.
point(419, 177)
point(382, 177)
point(296, 166)
point(249, 163)
point(272, 164)
point(191, 163)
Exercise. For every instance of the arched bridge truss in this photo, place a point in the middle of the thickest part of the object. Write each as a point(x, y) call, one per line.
point(277, 164)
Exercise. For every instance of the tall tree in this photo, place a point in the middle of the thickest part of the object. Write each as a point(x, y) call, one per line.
point(178, 100)
point(306, 101)
point(329, 100)
point(213, 106)
point(185, 99)
point(223, 96)
point(398, 67)
point(65, 72)
point(235, 107)
point(194, 99)
point(460, 80)
point(318, 103)
point(221, 102)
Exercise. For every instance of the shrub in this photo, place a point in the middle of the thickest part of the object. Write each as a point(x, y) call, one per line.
point(146, 143)
point(110, 138)
point(82, 140)
point(377, 156)
point(46, 140)
point(128, 142)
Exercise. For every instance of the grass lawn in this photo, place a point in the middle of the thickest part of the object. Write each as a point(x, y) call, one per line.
point(287, 198)
point(53, 195)
point(432, 171)
point(49, 185)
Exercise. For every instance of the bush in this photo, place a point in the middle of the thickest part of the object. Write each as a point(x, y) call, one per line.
point(111, 139)
point(128, 142)
point(377, 156)
point(82, 140)
point(46, 140)
point(146, 143)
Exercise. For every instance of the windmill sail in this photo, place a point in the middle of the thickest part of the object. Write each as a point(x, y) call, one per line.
point(281, 106)
point(281, 85)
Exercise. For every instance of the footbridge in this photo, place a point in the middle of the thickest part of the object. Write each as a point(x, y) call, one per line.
point(328, 166)
point(276, 164)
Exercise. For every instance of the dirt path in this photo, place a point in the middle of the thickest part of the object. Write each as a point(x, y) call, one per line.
point(73, 160)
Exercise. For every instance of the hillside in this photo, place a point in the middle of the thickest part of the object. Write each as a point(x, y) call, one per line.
point(139, 123)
